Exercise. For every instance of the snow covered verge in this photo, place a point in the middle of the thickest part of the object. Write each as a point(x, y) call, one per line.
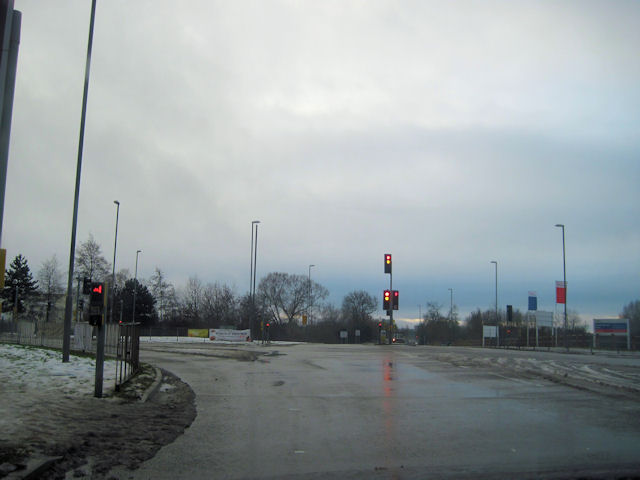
point(47, 409)
point(579, 371)
point(42, 370)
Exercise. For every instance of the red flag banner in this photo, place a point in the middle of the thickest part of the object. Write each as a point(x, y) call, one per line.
point(561, 292)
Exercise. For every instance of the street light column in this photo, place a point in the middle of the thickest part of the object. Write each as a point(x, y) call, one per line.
point(254, 223)
point(66, 338)
point(309, 302)
point(135, 288)
point(497, 322)
point(113, 273)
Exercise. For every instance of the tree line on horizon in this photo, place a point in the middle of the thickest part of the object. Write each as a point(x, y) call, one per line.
point(281, 299)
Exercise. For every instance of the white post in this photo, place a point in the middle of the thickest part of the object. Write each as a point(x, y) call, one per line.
point(628, 336)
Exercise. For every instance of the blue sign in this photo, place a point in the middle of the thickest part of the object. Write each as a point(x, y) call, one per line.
point(533, 303)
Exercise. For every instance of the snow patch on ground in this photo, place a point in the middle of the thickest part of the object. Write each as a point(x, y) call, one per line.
point(165, 387)
point(28, 368)
point(144, 339)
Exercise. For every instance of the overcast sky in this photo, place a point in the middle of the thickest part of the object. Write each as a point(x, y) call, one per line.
point(449, 134)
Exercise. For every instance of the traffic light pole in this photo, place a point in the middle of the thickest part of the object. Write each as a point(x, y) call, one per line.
point(390, 308)
point(100, 349)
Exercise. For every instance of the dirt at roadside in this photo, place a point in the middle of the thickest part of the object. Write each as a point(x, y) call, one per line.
point(94, 435)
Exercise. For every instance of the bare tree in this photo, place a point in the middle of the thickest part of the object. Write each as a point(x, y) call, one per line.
point(631, 311)
point(192, 300)
point(122, 276)
point(50, 281)
point(219, 305)
point(286, 296)
point(89, 261)
point(162, 291)
point(358, 306)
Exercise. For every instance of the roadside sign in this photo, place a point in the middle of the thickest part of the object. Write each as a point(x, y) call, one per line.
point(611, 327)
point(533, 301)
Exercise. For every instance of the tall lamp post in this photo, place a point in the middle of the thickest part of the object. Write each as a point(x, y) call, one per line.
point(253, 226)
point(113, 273)
point(497, 323)
point(564, 282)
point(309, 302)
point(66, 339)
point(135, 288)
point(252, 272)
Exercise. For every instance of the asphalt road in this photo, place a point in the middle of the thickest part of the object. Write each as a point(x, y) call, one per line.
point(400, 412)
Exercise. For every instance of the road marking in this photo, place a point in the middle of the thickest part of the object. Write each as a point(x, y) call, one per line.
point(524, 382)
point(298, 452)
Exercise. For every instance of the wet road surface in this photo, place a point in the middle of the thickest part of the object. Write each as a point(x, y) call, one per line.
point(345, 411)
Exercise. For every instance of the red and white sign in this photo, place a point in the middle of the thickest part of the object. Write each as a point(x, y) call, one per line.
point(561, 292)
point(226, 335)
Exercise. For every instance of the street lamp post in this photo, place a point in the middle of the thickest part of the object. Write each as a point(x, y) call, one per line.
point(497, 323)
point(255, 262)
point(66, 338)
point(564, 282)
point(309, 302)
point(451, 327)
point(135, 288)
point(113, 273)
point(253, 224)
point(252, 272)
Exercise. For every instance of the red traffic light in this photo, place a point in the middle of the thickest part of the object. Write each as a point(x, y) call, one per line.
point(387, 263)
point(97, 288)
point(268, 324)
point(386, 297)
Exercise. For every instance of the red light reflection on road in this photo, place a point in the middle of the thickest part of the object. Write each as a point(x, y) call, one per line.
point(388, 410)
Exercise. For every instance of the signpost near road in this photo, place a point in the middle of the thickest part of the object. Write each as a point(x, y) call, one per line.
point(611, 327)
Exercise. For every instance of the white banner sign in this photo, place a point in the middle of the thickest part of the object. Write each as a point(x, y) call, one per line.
point(489, 331)
point(225, 335)
point(543, 319)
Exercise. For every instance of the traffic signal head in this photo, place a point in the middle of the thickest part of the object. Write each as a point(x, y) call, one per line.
point(395, 301)
point(386, 299)
point(387, 263)
point(509, 313)
point(96, 303)
point(86, 286)
point(97, 294)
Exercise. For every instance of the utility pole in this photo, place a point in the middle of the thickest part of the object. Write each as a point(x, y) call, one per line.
point(66, 339)
point(9, 41)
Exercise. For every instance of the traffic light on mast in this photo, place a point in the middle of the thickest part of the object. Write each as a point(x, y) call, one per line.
point(387, 263)
point(96, 303)
point(386, 300)
point(395, 302)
